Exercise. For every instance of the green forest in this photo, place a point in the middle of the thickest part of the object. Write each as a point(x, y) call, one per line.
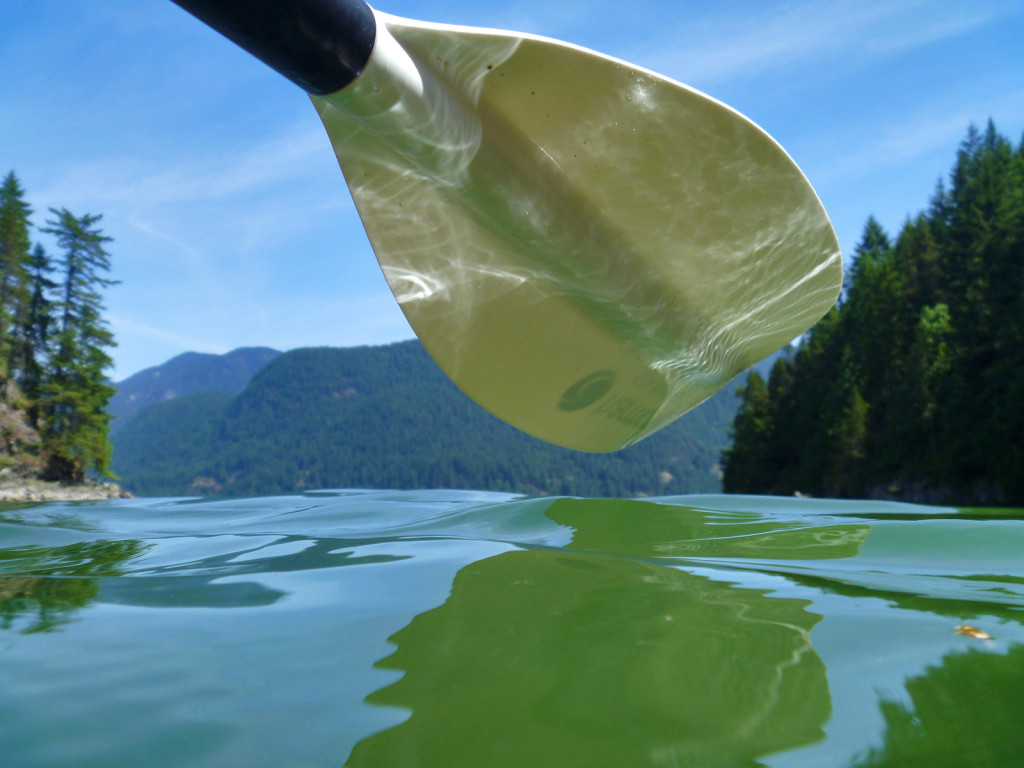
point(388, 417)
point(912, 386)
point(53, 343)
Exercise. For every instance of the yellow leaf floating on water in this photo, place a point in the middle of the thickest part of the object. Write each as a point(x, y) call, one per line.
point(977, 634)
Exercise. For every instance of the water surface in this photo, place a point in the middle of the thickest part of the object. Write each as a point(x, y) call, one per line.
point(475, 629)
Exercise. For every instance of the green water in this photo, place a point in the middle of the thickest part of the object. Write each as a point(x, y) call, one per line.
point(473, 629)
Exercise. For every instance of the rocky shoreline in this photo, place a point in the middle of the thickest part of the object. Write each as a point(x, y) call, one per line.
point(30, 489)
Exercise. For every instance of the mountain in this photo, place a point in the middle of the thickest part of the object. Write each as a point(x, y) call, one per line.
point(387, 417)
point(187, 373)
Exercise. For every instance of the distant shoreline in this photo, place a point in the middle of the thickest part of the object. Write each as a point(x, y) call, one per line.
point(30, 489)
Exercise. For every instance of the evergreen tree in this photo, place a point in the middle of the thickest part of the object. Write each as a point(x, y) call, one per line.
point(846, 420)
point(751, 430)
point(870, 252)
point(983, 265)
point(75, 395)
point(919, 400)
point(38, 327)
point(912, 385)
point(808, 426)
point(14, 257)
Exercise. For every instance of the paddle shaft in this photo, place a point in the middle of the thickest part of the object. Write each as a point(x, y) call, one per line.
point(320, 45)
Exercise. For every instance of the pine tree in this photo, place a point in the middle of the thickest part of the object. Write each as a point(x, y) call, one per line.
point(75, 395)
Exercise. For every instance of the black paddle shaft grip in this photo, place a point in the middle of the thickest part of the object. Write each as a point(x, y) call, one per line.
point(320, 45)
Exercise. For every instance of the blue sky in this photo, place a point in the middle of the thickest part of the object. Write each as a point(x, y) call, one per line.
point(232, 224)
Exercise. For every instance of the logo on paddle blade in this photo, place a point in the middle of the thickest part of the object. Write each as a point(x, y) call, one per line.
point(586, 391)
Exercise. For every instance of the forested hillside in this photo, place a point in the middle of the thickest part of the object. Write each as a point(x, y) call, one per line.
point(912, 386)
point(387, 417)
point(185, 374)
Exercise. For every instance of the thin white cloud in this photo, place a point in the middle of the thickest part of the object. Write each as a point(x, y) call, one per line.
point(902, 143)
point(193, 177)
point(941, 128)
point(134, 330)
point(779, 36)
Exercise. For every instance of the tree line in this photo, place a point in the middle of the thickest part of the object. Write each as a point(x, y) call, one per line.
point(53, 342)
point(911, 386)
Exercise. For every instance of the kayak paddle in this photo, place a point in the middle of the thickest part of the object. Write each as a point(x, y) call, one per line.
point(586, 248)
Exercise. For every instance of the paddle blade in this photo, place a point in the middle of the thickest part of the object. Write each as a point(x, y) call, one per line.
point(586, 248)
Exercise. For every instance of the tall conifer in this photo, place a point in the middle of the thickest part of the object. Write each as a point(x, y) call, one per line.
point(926, 400)
point(14, 257)
point(38, 328)
point(75, 395)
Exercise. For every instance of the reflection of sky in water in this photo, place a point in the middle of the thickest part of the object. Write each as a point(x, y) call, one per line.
point(656, 233)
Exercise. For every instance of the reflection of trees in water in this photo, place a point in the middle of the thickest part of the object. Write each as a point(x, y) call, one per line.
point(966, 712)
point(547, 657)
point(606, 653)
point(986, 596)
point(40, 587)
point(630, 528)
